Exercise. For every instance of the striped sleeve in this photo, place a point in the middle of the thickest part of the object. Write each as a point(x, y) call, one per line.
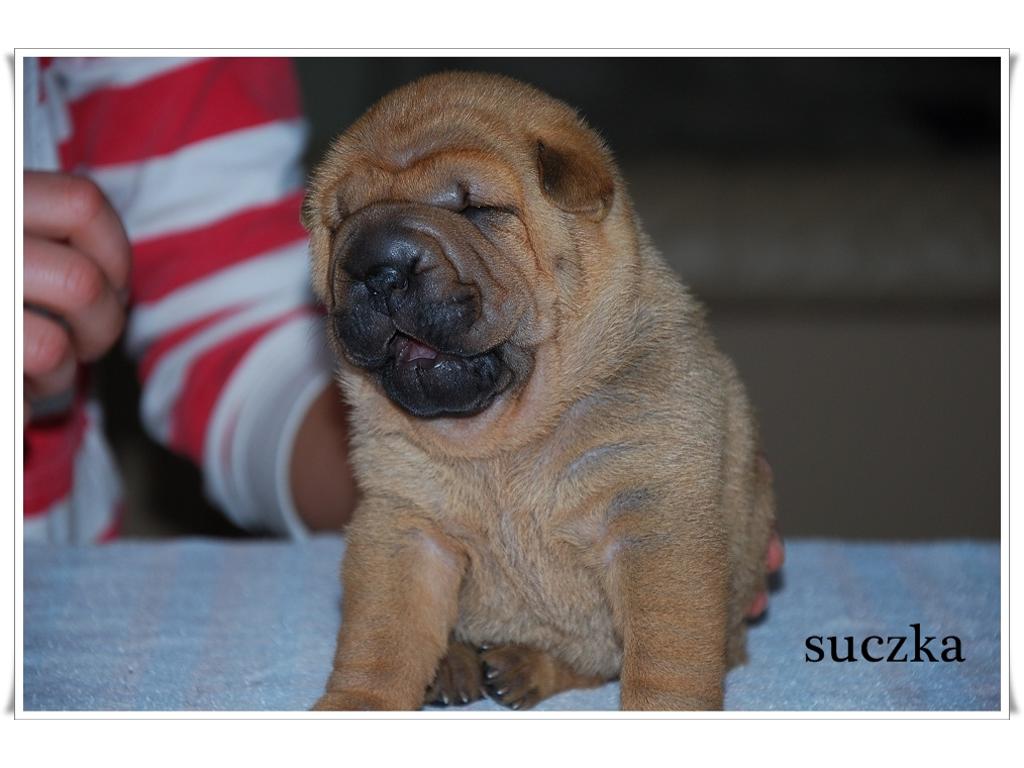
point(202, 160)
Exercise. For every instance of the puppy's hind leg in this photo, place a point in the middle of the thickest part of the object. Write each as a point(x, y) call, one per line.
point(519, 677)
point(748, 566)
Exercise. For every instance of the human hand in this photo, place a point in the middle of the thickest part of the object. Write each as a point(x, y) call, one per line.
point(774, 556)
point(77, 268)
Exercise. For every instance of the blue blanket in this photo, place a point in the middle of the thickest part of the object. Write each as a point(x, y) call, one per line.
point(204, 625)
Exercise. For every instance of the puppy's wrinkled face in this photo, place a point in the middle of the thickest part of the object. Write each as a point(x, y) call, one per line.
point(416, 305)
point(436, 221)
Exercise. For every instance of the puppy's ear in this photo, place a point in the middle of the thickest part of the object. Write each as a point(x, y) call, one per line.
point(323, 205)
point(308, 215)
point(575, 176)
point(320, 222)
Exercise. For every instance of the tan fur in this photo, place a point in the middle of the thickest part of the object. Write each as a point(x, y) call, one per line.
point(609, 512)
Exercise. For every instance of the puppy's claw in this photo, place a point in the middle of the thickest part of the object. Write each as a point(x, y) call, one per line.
point(458, 679)
point(520, 677)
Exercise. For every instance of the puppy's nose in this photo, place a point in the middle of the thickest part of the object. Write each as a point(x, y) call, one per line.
point(386, 256)
point(386, 279)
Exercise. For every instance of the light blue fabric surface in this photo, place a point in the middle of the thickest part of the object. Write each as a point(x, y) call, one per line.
point(203, 625)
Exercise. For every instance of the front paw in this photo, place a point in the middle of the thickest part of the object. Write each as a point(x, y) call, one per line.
point(459, 679)
point(513, 676)
point(642, 699)
point(350, 701)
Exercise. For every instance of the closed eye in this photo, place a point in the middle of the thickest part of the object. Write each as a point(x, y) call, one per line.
point(482, 213)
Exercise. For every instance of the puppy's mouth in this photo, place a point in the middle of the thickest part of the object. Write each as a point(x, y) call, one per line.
point(429, 383)
point(408, 350)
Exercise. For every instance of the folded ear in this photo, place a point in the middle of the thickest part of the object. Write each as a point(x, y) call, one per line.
point(320, 221)
point(576, 177)
point(322, 203)
point(308, 215)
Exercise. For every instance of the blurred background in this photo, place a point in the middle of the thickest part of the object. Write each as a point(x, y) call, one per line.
point(839, 217)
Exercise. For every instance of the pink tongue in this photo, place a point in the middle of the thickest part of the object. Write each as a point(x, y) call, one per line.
point(419, 351)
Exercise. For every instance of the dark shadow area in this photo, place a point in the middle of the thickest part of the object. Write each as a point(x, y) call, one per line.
point(729, 109)
point(163, 492)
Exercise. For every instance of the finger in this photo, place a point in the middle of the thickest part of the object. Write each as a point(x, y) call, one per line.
point(49, 360)
point(63, 207)
point(776, 554)
point(70, 284)
point(758, 605)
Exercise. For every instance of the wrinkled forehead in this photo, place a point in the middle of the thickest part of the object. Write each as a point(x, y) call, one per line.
point(445, 175)
point(440, 156)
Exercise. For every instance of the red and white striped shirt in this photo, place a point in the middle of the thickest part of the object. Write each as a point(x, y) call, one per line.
point(201, 158)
